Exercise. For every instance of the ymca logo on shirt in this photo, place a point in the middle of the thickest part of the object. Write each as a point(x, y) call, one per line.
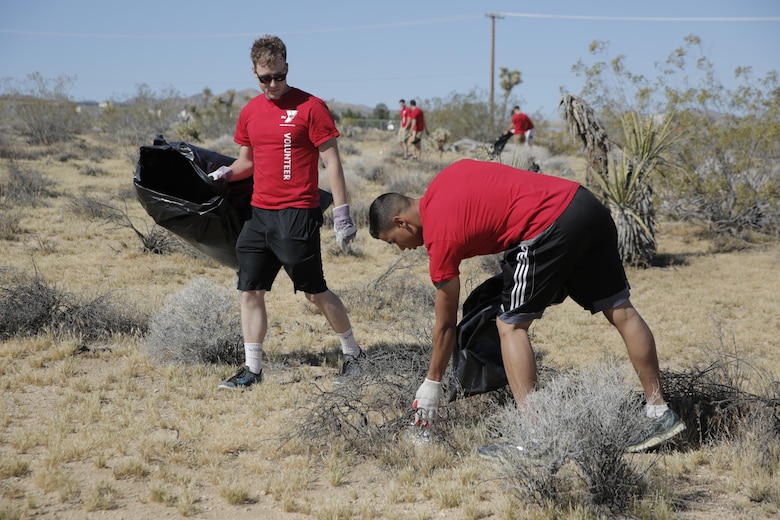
point(287, 119)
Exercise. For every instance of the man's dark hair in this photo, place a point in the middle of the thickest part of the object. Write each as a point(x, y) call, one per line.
point(382, 211)
point(413, 103)
point(401, 101)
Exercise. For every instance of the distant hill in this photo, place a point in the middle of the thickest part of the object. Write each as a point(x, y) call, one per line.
point(247, 94)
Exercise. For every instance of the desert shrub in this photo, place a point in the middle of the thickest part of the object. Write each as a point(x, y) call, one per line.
point(92, 207)
point(440, 138)
point(398, 296)
point(199, 324)
point(348, 148)
point(30, 306)
point(574, 432)
point(136, 122)
point(26, 187)
point(90, 170)
point(41, 111)
point(413, 179)
point(189, 131)
point(558, 166)
point(373, 409)
point(721, 172)
point(723, 397)
point(210, 117)
point(370, 169)
point(156, 240)
point(224, 144)
point(524, 158)
point(10, 224)
point(460, 113)
point(555, 138)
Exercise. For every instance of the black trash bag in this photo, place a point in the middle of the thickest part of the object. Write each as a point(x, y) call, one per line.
point(172, 184)
point(476, 359)
point(499, 143)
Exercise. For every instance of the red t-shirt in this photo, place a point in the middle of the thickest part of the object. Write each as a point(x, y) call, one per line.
point(285, 135)
point(406, 112)
point(419, 119)
point(476, 208)
point(522, 123)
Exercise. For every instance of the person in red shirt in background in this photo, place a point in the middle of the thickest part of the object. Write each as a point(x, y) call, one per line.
point(405, 129)
point(418, 127)
point(558, 240)
point(282, 134)
point(522, 127)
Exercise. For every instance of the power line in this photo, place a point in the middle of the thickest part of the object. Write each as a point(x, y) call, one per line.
point(705, 19)
point(596, 18)
point(168, 36)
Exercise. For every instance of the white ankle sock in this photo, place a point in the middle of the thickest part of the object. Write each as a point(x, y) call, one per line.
point(348, 343)
point(254, 357)
point(655, 410)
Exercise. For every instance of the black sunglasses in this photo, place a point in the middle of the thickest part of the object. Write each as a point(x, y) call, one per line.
point(276, 77)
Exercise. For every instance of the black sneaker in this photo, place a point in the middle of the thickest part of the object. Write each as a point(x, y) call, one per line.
point(351, 367)
point(661, 429)
point(243, 379)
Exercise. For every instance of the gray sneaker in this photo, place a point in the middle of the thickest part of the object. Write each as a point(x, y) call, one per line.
point(660, 430)
point(242, 379)
point(350, 369)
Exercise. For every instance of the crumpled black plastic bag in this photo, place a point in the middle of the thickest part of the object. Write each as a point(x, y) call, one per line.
point(172, 184)
point(476, 359)
point(499, 143)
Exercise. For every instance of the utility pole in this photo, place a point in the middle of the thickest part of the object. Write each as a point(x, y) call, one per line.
point(493, 17)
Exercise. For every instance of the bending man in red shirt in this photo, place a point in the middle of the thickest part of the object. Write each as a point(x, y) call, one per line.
point(557, 240)
point(282, 133)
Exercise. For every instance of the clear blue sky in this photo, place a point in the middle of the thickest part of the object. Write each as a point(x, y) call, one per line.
point(368, 52)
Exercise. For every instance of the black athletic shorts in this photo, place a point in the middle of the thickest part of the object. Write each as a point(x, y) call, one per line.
point(576, 256)
point(272, 239)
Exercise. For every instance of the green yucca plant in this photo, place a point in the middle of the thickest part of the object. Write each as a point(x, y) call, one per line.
point(626, 189)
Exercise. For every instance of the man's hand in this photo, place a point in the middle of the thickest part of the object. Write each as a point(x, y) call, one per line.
point(342, 223)
point(426, 402)
point(223, 172)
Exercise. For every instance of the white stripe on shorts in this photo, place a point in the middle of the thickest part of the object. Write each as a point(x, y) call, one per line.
point(520, 277)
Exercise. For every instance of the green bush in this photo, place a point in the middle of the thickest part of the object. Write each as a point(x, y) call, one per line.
point(721, 173)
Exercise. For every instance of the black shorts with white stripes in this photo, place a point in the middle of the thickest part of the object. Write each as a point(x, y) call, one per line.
point(577, 256)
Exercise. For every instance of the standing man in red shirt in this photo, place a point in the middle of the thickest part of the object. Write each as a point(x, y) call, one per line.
point(417, 123)
point(558, 240)
point(405, 129)
point(522, 127)
point(282, 134)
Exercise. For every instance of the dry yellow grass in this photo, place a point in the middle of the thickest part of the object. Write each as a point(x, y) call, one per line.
point(108, 432)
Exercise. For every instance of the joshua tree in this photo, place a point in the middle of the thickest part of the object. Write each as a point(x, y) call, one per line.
point(622, 175)
point(584, 125)
point(509, 79)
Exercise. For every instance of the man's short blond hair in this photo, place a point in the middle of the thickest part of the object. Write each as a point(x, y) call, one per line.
point(268, 49)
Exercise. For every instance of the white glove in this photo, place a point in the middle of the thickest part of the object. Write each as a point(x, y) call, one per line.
point(342, 223)
point(223, 172)
point(426, 402)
